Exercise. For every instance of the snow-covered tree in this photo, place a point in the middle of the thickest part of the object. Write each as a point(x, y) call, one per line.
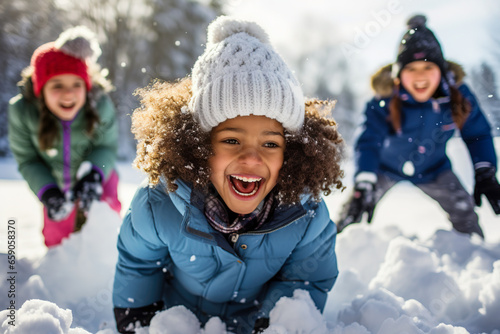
point(483, 81)
point(324, 71)
point(24, 25)
point(140, 40)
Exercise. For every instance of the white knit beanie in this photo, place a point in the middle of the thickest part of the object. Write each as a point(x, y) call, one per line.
point(240, 74)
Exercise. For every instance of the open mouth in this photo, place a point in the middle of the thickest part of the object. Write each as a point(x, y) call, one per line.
point(244, 185)
point(69, 106)
point(420, 87)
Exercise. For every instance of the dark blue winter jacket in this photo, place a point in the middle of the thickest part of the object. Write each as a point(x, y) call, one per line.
point(167, 250)
point(418, 153)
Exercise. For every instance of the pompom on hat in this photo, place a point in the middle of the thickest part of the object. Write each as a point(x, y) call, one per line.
point(67, 55)
point(240, 74)
point(419, 43)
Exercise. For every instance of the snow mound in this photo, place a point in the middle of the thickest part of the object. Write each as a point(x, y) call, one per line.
point(77, 275)
point(381, 311)
point(176, 320)
point(289, 314)
point(88, 253)
point(39, 316)
point(180, 320)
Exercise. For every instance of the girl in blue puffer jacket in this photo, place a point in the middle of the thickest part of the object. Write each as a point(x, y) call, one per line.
point(231, 219)
point(420, 102)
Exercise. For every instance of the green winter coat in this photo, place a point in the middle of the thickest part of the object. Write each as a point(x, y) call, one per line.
point(58, 165)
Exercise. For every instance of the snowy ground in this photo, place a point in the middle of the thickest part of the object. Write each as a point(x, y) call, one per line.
point(407, 272)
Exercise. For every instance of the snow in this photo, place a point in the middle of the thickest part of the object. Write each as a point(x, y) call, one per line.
point(43, 317)
point(77, 275)
point(300, 307)
point(406, 272)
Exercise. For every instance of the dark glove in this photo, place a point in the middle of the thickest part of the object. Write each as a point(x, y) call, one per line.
point(87, 189)
point(261, 325)
point(127, 318)
point(363, 200)
point(487, 184)
point(57, 207)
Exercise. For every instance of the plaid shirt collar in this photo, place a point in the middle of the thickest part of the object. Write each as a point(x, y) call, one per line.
point(217, 214)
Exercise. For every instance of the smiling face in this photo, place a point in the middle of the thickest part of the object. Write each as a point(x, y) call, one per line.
point(65, 95)
point(421, 79)
point(248, 155)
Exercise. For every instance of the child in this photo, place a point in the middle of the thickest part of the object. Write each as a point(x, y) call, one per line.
point(63, 132)
point(232, 218)
point(408, 124)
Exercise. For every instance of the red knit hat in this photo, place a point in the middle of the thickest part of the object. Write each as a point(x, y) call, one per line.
point(48, 61)
point(69, 54)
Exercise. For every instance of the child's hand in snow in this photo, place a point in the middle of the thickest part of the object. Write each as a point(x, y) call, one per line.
point(58, 208)
point(88, 187)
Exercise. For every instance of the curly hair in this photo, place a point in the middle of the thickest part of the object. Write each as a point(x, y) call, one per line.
point(48, 131)
point(171, 145)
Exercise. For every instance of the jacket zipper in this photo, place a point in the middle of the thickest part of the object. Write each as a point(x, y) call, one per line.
point(66, 155)
point(235, 236)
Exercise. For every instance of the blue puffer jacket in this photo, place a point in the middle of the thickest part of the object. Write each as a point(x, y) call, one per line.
point(167, 250)
point(418, 153)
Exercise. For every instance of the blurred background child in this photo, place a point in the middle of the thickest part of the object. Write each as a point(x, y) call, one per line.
point(63, 133)
point(420, 102)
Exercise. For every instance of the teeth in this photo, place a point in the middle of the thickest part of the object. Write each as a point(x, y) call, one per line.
point(247, 179)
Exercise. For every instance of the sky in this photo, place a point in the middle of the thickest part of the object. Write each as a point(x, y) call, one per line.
point(372, 29)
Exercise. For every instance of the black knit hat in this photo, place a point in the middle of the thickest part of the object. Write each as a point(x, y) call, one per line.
point(419, 43)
